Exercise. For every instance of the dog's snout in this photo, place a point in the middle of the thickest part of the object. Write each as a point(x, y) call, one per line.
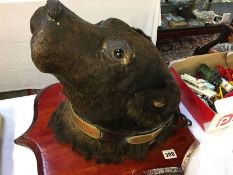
point(32, 28)
point(35, 22)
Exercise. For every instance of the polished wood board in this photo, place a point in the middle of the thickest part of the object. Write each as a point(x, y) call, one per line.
point(55, 158)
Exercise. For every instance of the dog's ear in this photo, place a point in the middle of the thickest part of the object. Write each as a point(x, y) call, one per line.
point(147, 37)
point(142, 33)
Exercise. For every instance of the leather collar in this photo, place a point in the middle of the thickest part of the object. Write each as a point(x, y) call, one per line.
point(99, 133)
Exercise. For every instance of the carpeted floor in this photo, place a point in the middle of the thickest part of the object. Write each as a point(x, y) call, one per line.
point(173, 48)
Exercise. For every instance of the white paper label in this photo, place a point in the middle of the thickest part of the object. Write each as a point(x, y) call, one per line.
point(169, 154)
point(221, 121)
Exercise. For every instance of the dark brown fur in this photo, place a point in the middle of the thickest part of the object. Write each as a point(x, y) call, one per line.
point(116, 93)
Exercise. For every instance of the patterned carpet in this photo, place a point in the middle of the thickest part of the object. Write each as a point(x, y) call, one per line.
point(173, 48)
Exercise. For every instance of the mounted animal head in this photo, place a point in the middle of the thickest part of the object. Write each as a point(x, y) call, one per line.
point(112, 74)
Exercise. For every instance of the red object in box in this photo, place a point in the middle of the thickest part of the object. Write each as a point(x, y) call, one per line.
point(229, 73)
point(196, 107)
point(225, 73)
point(221, 71)
point(229, 94)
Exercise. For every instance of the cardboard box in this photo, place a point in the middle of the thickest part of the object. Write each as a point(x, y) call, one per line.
point(197, 108)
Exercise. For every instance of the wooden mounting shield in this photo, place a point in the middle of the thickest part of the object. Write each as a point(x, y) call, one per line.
point(55, 158)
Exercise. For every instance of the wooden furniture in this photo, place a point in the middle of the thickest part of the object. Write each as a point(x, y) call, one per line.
point(189, 31)
point(218, 6)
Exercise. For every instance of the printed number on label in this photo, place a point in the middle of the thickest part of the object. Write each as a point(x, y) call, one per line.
point(169, 154)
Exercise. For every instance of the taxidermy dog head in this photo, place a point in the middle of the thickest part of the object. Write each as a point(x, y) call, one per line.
point(120, 95)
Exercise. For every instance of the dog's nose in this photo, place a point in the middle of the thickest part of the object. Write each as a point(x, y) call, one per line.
point(54, 9)
point(51, 12)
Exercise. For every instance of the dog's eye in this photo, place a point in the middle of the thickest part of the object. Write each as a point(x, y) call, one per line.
point(119, 53)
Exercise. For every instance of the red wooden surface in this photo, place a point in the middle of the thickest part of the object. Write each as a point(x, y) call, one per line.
point(55, 158)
